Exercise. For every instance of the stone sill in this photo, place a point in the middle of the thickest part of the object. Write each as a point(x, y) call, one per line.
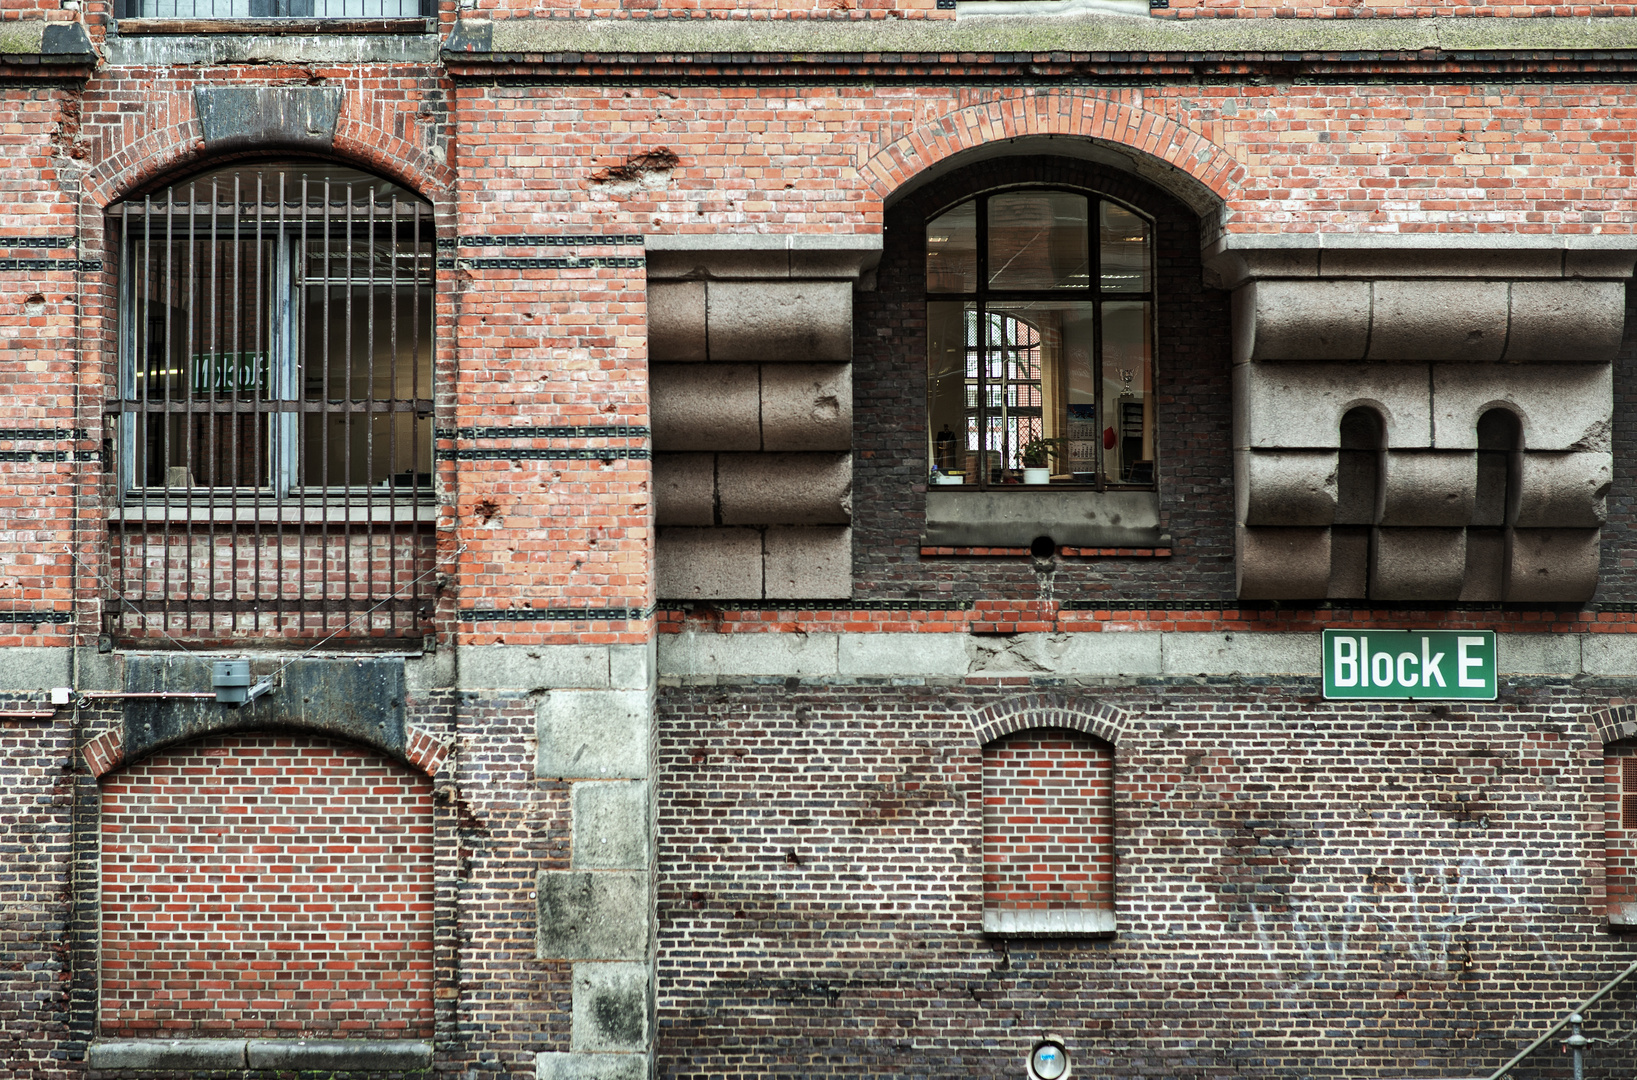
point(277, 27)
point(1014, 517)
point(171, 1054)
point(1056, 922)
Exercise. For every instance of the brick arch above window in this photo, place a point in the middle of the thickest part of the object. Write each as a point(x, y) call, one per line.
point(1003, 718)
point(1614, 723)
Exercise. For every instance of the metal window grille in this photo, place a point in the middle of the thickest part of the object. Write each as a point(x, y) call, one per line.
point(1628, 794)
point(275, 9)
point(273, 465)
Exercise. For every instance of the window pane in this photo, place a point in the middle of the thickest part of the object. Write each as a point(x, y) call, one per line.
point(1041, 388)
point(947, 387)
point(1128, 432)
point(952, 251)
point(1037, 240)
point(1125, 243)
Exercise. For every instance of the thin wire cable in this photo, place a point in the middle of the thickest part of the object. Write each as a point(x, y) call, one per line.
point(121, 597)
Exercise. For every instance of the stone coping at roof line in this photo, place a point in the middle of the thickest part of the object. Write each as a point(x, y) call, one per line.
point(196, 1054)
point(811, 40)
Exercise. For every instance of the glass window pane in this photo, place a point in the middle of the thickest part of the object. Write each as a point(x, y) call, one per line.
point(1038, 240)
point(1125, 243)
point(1128, 378)
point(952, 251)
point(951, 390)
point(1042, 389)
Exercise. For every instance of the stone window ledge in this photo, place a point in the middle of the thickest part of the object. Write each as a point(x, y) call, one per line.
point(170, 1054)
point(1016, 516)
point(264, 27)
point(1055, 922)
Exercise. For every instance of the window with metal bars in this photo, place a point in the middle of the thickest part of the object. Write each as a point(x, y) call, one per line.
point(1628, 793)
point(273, 460)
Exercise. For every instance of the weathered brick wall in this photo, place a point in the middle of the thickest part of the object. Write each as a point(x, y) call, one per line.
point(1048, 822)
point(1303, 889)
point(264, 884)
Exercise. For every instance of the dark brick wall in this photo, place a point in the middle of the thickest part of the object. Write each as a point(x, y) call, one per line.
point(1302, 889)
point(1192, 413)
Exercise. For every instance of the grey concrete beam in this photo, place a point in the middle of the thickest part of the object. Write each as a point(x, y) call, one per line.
point(176, 50)
point(179, 1054)
point(326, 1054)
point(532, 667)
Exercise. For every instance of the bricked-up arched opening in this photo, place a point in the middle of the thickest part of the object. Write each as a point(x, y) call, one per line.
point(262, 883)
point(1048, 832)
point(1620, 832)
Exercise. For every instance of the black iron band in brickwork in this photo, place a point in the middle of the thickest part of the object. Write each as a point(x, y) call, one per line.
point(611, 453)
point(815, 605)
point(566, 431)
point(49, 456)
point(52, 265)
point(555, 614)
point(566, 240)
point(36, 242)
point(570, 262)
point(19, 618)
point(17, 434)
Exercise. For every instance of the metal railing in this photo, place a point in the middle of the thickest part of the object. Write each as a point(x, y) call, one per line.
point(1577, 1043)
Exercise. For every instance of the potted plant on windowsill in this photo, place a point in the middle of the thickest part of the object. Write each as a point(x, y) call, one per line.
point(1037, 455)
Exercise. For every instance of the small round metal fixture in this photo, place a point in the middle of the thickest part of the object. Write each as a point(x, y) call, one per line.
point(1048, 1060)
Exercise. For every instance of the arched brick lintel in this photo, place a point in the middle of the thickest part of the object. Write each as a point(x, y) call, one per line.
point(106, 752)
point(1615, 723)
point(175, 152)
point(1004, 718)
point(1174, 157)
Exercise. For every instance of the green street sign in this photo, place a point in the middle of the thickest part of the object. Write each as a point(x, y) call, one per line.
point(1423, 665)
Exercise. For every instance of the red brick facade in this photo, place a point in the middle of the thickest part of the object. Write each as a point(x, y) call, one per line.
point(258, 884)
point(1048, 822)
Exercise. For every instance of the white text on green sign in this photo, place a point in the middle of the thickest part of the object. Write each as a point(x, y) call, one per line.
point(1406, 664)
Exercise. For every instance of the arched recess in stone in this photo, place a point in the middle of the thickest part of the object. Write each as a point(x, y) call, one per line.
point(1069, 124)
point(1003, 718)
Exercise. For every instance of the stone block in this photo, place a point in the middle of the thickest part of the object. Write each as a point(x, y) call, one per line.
point(1563, 490)
point(1050, 922)
point(956, 517)
point(706, 406)
point(1065, 655)
point(1561, 406)
point(1349, 562)
point(708, 564)
point(785, 489)
point(684, 489)
point(885, 655)
point(1538, 654)
point(800, 321)
point(1299, 406)
point(612, 830)
point(1285, 487)
point(631, 667)
point(807, 407)
point(1566, 322)
point(555, 1066)
point(594, 734)
point(1283, 564)
point(1417, 564)
point(809, 563)
point(179, 1054)
point(1429, 487)
point(592, 915)
point(1485, 579)
point(530, 667)
point(1242, 654)
point(676, 321)
point(1550, 566)
point(1301, 320)
point(612, 1008)
point(694, 655)
point(1608, 654)
point(1455, 320)
point(324, 1055)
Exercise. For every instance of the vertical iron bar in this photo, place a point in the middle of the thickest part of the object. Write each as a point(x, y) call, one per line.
point(324, 414)
point(344, 533)
point(259, 349)
point(234, 424)
point(415, 374)
point(191, 294)
point(164, 416)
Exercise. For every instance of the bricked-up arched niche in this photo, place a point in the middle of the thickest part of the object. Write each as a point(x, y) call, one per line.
point(1620, 832)
point(1048, 832)
point(260, 883)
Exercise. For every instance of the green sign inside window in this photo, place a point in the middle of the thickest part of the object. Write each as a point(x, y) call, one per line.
point(1410, 664)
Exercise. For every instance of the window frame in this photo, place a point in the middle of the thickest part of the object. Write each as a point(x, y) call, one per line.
point(1092, 296)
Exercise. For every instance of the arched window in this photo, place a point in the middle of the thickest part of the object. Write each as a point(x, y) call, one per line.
point(275, 395)
point(1048, 833)
point(1040, 342)
point(1620, 832)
